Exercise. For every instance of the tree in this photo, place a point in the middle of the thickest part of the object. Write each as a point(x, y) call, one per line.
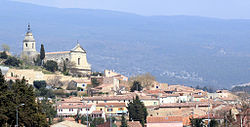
point(3, 55)
point(37, 61)
point(42, 52)
point(96, 121)
point(146, 80)
point(12, 96)
point(136, 86)
point(51, 66)
point(137, 111)
point(124, 121)
point(39, 84)
point(94, 82)
point(12, 61)
point(213, 123)
point(48, 109)
point(5, 47)
point(196, 122)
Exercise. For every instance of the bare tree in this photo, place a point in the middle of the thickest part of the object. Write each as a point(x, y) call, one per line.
point(5, 47)
point(146, 80)
point(55, 81)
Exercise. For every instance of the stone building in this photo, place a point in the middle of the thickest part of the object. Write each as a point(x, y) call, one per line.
point(77, 56)
point(29, 46)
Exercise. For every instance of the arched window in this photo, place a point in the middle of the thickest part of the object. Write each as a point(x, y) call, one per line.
point(26, 44)
point(32, 45)
point(79, 61)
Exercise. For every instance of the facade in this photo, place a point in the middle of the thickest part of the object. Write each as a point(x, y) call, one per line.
point(76, 56)
point(29, 46)
point(113, 109)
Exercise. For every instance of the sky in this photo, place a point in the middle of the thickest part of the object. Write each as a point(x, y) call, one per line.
point(229, 9)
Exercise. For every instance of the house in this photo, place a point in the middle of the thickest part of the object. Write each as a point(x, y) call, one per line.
point(198, 98)
point(110, 73)
point(108, 99)
point(164, 121)
point(81, 84)
point(149, 100)
point(113, 109)
point(74, 109)
point(169, 98)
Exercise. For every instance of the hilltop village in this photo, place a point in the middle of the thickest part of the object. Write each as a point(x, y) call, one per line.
point(81, 97)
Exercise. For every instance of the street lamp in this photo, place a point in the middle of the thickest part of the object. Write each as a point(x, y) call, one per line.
point(110, 115)
point(17, 113)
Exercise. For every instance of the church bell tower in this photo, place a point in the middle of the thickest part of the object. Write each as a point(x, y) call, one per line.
point(29, 45)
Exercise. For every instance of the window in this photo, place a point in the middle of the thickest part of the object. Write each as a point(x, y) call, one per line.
point(155, 103)
point(79, 61)
point(157, 87)
point(110, 109)
point(67, 59)
point(105, 101)
point(32, 45)
point(100, 109)
point(81, 109)
point(87, 109)
point(26, 44)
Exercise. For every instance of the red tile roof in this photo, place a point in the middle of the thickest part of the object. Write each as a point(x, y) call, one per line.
point(62, 52)
point(164, 119)
point(130, 124)
point(111, 104)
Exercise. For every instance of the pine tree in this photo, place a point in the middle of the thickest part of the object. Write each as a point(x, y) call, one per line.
point(137, 111)
point(42, 53)
point(136, 86)
point(14, 94)
point(124, 121)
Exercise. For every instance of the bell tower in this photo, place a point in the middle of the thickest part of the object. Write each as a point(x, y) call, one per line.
point(29, 45)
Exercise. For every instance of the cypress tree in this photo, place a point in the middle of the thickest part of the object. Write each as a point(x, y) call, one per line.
point(137, 111)
point(124, 121)
point(42, 53)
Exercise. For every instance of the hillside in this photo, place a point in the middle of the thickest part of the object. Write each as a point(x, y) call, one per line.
point(176, 49)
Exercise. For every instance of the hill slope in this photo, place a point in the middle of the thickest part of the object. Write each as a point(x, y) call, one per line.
point(176, 49)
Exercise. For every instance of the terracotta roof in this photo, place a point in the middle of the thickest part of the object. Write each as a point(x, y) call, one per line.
point(198, 96)
point(62, 52)
point(130, 124)
point(97, 112)
point(111, 104)
point(188, 104)
point(211, 116)
point(164, 119)
point(64, 106)
point(68, 123)
point(154, 91)
point(170, 95)
point(101, 98)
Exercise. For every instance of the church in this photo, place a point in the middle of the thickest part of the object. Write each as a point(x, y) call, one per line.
point(77, 55)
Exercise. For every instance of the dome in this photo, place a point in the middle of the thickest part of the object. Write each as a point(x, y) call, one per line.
point(29, 37)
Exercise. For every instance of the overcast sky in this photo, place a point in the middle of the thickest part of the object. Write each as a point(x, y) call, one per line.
point(209, 8)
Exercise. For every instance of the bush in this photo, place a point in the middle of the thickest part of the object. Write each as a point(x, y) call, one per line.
point(39, 84)
point(51, 66)
point(3, 55)
point(12, 61)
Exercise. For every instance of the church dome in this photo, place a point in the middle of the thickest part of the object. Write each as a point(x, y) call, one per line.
point(29, 37)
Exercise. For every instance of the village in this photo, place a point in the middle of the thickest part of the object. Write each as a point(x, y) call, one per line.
point(80, 95)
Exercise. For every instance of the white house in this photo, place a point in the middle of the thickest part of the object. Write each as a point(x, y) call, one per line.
point(169, 98)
